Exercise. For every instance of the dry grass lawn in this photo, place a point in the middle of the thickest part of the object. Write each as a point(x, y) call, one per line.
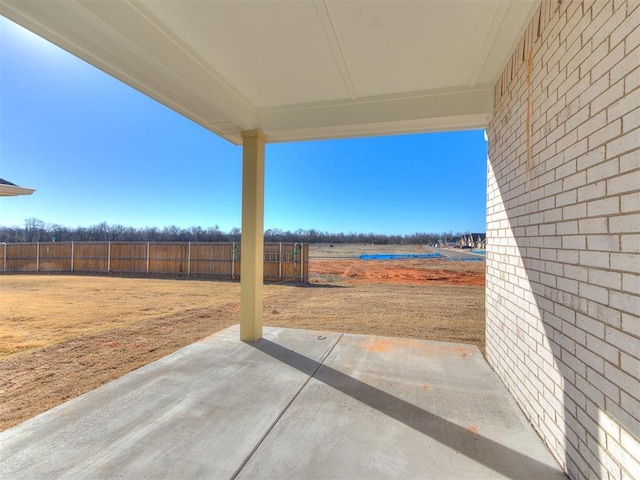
point(44, 310)
point(61, 336)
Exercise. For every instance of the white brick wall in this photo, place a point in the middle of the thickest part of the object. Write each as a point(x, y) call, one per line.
point(563, 230)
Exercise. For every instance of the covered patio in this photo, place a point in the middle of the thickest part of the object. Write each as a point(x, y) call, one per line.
point(256, 72)
point(555, 85)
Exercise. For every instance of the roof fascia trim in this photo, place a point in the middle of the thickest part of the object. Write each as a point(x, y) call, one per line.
point(425, 112)
point(51, 21)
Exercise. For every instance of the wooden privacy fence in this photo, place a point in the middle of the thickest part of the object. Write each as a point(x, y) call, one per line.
point(282, 261)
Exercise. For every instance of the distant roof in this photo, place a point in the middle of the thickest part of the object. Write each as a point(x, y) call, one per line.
point(9, 189)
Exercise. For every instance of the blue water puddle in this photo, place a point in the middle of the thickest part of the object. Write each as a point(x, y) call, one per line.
point(394, 256)
point(479, 252)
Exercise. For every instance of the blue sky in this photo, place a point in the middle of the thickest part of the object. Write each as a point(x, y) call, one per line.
point(97, 150)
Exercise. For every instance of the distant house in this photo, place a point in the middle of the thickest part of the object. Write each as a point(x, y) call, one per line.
point(8, 189)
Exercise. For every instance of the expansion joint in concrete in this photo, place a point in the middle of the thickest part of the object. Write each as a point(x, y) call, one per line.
point(284, 410)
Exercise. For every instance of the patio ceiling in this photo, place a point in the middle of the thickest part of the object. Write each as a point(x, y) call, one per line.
point(297, 70)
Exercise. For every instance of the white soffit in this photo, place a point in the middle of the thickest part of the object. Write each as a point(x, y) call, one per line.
point(298, 70)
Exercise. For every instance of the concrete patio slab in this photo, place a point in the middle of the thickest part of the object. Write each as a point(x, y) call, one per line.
point(399, 408)
point(296, 404)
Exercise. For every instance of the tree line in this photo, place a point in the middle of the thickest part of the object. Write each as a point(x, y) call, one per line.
point(36, 230)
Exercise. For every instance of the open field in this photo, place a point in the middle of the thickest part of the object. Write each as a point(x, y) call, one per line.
point(61, 336)
point(351, 250)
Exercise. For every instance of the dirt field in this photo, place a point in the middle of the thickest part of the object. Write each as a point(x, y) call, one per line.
point(61, 336)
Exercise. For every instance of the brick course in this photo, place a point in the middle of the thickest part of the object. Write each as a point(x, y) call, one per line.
point(563, 233)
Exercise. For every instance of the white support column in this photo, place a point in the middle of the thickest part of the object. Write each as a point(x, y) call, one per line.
point(252, 242)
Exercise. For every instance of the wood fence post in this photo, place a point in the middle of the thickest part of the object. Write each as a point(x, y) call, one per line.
point(108, 257)
point(72, 254)
point(37, 256)
point(148, 252)
point(233, 260)
point(280, 263)
point(189, 260)
point(5, 258)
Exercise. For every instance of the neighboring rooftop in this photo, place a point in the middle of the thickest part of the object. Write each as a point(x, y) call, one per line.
point(9, 189)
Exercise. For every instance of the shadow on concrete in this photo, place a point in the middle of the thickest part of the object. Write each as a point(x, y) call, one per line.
point(495, 456)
